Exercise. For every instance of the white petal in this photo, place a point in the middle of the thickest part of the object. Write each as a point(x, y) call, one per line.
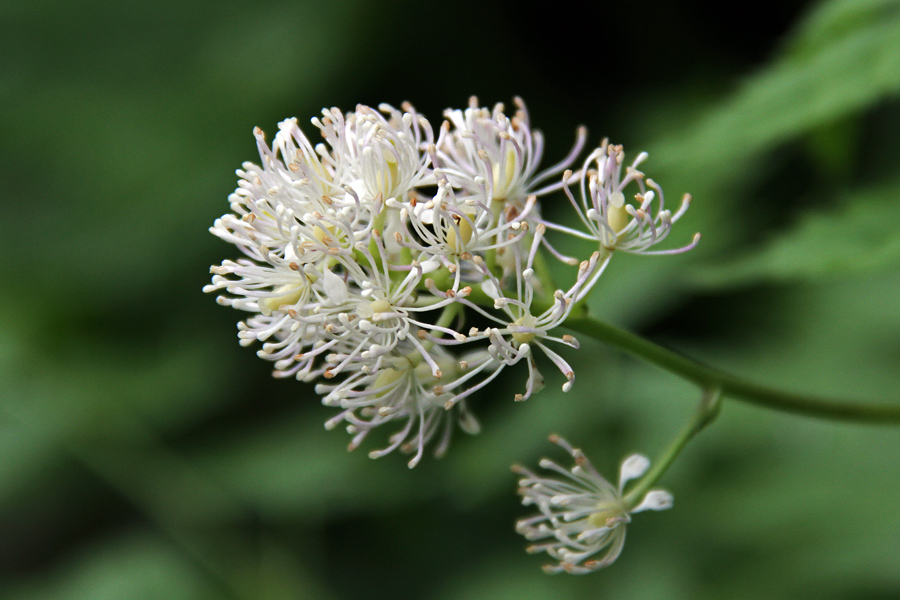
point(655, 500)
point(488, 287)
point(633, 467)
point(335, 288)
point(432, 264)
point(289, 254)
point(364, 310)
point(425, 215)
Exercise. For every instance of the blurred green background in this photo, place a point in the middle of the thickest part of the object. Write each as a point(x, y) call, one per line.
point(145, 455)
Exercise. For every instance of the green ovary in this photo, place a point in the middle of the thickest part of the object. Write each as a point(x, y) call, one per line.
point(609, 511)
point(458, 242)
point(503, 179)
point(616, 215)
point(524, 337)
point(380, 306)
point(286, 294)
point(386, 379)
point(389, 179)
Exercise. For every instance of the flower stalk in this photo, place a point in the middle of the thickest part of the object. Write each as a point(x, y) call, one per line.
point(707, 411)
point(731, 385)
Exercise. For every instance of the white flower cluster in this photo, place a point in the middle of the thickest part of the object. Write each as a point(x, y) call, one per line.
point(364, 253)
point(581, 512)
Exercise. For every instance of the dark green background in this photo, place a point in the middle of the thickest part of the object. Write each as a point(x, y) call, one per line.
point(143, 454)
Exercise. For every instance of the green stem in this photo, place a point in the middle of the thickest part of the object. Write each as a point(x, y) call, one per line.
point(447, 315)
point(545, 276)
point(731, 385)
point(706, 413)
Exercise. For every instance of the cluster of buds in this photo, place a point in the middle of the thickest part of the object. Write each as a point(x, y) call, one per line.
point(363, 255)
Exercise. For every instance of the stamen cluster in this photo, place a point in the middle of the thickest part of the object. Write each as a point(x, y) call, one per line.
point(582, 515)
point(365, 253)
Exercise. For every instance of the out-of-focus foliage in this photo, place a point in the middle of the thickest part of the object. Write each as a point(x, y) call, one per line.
point(859, 236)
point(143, 454)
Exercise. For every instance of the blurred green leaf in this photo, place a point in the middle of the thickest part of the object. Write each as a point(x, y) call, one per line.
point(503, 579)
point(287, 469)
point(832, 20)
point(725, 151)
point(137, 567)
point(98, 396)
point(860, 235)
point(790, 96)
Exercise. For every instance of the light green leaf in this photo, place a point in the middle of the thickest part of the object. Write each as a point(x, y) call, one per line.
point(98, 397)
point(861, 235)
point(288, 469)
point(796, 94)
point(726, 150)
point(832, 20)
point(138, 567)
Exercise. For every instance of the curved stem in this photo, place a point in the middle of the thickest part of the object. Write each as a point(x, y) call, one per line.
point(706, 413)
point(731, 385)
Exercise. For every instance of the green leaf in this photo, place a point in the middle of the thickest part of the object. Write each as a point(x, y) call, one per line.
point(98, 396)
point(796, 94)
point(816, 93)
point(140, 567)
point(859, 236)
point(832, 20)
point(287, 469)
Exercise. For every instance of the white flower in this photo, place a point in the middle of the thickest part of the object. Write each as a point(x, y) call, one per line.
point(609, 215)
point(519, 327)
point(363, 254)
point(403, 390)
point(379, 156)
point(581, 512)
point(487, 148)
point(453, 230)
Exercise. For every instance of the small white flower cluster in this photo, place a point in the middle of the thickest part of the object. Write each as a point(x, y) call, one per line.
point(581, 512)
point(364, 253)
